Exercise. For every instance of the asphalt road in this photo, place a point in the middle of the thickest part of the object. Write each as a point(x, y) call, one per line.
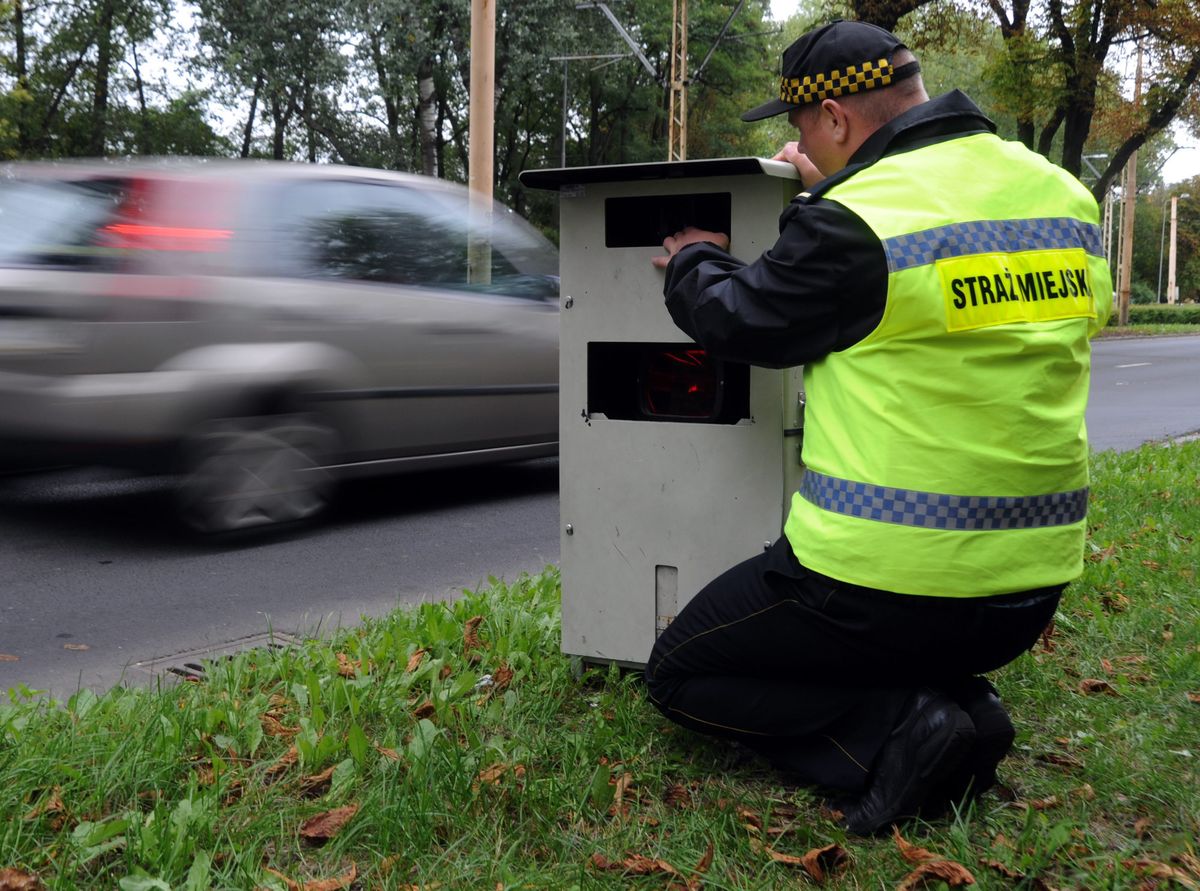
point(96, 588)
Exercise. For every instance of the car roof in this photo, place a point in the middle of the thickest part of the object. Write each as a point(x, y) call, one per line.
point(228, 169)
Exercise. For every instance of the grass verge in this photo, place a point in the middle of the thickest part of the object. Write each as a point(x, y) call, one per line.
point(1147, 330)
point(452, 746)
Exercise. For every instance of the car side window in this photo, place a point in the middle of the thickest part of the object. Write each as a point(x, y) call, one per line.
point(381, 232)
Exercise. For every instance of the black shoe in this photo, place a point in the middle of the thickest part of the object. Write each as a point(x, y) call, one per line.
point(994, 737)
point(931, 740)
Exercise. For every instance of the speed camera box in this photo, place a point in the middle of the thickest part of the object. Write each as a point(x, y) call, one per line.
point(674, 466)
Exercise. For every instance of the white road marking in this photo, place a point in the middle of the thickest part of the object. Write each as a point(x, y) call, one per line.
point(1135, 365)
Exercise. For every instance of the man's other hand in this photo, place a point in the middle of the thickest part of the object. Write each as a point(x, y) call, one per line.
point(690, 235)
point(809, 174)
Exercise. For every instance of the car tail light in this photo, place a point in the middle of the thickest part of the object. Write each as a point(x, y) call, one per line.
point(168, 215)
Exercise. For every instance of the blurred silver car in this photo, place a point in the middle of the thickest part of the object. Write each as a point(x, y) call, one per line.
point(264, 329)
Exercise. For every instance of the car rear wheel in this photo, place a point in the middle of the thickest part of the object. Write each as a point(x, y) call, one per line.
point(246, 473)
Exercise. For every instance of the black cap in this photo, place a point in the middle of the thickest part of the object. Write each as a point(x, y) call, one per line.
point(842, 57)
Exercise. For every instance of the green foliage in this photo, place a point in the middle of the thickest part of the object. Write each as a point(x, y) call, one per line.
point(1163, 314)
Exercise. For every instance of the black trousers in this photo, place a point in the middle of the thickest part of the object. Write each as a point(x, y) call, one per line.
point(814, 673)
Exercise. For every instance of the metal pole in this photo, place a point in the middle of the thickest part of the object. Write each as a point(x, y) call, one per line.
point(563, 157)
point(482, 139)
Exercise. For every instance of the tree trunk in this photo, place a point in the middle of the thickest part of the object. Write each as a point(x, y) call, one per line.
point(249, 131)
point(308, 126)
point(885, 13)
point(1046, 140)
point(103, 66)
point(143, 119)
point(427, 116)
point(21, 62)
point(281, 113)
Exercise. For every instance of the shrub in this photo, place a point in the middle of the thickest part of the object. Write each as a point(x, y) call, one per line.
point(1162, 314)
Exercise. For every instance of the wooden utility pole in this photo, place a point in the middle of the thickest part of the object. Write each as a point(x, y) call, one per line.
point(481, 139)
point(1125, 268)
point(677, 120)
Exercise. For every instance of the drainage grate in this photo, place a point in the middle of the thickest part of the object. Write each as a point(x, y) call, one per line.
point(190, 664)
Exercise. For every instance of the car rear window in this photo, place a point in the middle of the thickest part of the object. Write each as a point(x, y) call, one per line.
point(53, 223)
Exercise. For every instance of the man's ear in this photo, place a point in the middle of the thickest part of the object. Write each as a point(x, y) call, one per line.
point(836, 120)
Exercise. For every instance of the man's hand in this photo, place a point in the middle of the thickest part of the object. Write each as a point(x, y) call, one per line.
point(690, 235)
point(809, 174)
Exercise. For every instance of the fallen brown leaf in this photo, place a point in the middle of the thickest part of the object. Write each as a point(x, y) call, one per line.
point(1190, 862)
point(1141, 827)
point(826, 861)
point(390, 754)
point(1060, 760)
point(1102, 554)
point(51, 803)
point(619, 807)
point(1048, 637)
point(424, 710)
point(678, 797)
point(415, 660)
point(1097, 685)
point(1157, 870)
point(338, 882)
point(75, 646)
point(325, 826)
point(9, 657)
point(635, 864)
point(1152, 564)
point(1044, 804)
point(445, 672)
point(749, 818)
point(471, 639)
point(346, 667)
point(316, 784)
point(502, 677)
point(490, 776)
point(1004, 869)
point(911, 852)
point(15, 880)
point(272, 726)
point(286, 760)
point(1114, 601)
point(1086, 792)
point(1194, 697)
point(953, 874)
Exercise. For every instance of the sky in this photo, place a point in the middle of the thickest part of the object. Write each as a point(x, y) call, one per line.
point(1184, 164)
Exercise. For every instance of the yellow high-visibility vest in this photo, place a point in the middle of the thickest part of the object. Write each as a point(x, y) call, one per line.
point(946, 453)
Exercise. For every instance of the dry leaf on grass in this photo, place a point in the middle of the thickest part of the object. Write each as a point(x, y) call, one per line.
point(415, 660)
point(424, 710)
point(1194, 697)
point(51, 803)
point(471, 639)
point(953, 874)
point(272, 726)
point(502, 677)
point(634, 864)
point(678, 797)
point(1044, 804)
point(827, 861)
point(1097, 685)
point(316, 784)
point(1004, 869)
point(911, 852)
point(1156, 870)
point(445, 672)
point(347, 668)
point(1141, 827)
point(286, 760)
point(389, 754)
point(15, 880)
point(325, 826)
point(1048, 637)
point(343, 880)
point(749, 818)
point(1059, 760)
point(619, 807)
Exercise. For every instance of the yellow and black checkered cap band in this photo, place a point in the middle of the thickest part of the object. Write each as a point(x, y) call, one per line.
point(854, 79)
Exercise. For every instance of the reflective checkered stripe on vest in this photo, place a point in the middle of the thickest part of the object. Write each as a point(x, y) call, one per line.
point(946, 453)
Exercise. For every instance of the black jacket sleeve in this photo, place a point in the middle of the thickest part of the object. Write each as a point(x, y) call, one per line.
point(821, 288)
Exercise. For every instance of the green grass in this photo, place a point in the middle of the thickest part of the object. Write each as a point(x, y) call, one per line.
point(523, 783)
point(1147, 330)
